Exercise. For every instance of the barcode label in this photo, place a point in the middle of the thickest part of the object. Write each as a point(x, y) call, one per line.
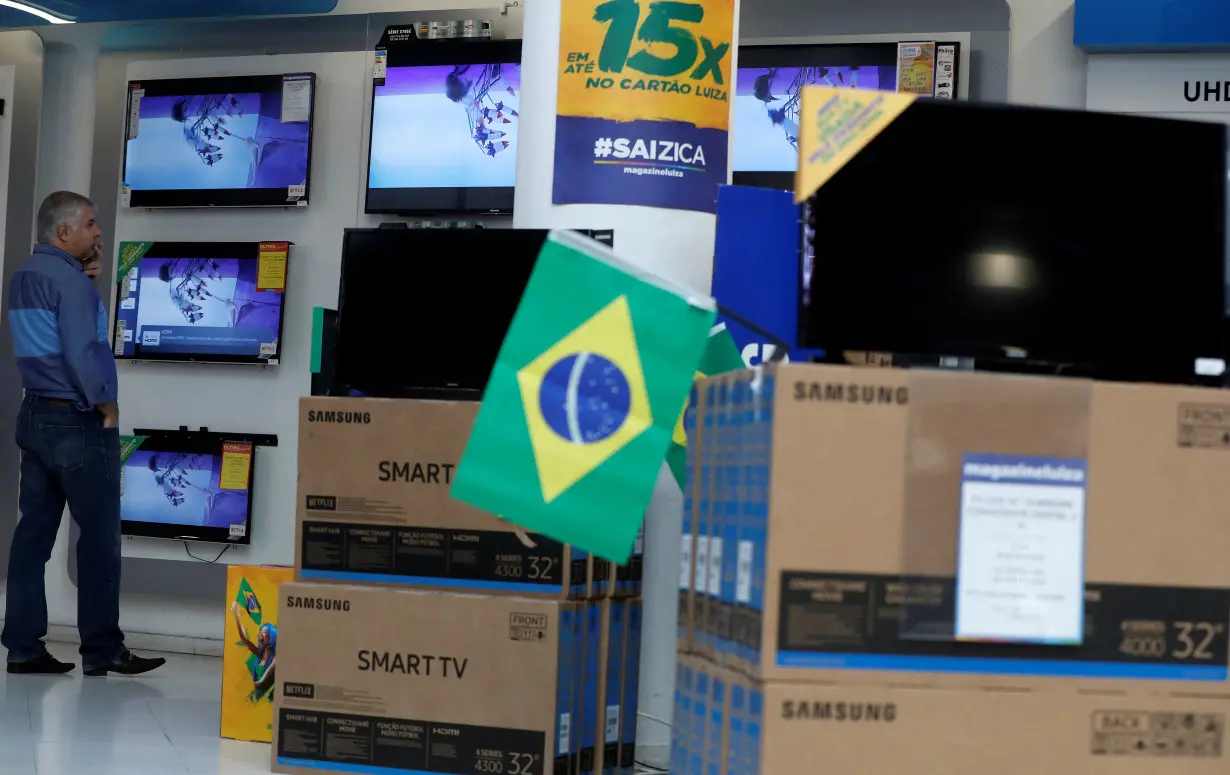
point(715, 567)
point(701, 564)
point(743, 580)
point(685, 562)
point(565, 733)
point(612, 724)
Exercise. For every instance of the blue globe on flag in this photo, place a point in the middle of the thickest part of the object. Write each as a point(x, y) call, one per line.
point(584, 398)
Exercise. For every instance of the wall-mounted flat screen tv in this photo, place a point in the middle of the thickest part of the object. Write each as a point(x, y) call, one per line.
point(188, 486)
point(214, 302)
point(444, 128)
point(768, 90)
point(243, 141)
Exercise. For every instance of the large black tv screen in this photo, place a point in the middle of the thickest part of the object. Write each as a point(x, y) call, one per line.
point(220, 142)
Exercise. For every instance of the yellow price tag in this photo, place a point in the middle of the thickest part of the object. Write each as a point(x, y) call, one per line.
point(236, 466)
point(271, 267)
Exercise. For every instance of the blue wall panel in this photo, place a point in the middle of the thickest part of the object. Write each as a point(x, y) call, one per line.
point(1152, 25)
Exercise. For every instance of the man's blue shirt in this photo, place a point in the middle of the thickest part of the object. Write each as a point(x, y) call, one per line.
point(59, 330)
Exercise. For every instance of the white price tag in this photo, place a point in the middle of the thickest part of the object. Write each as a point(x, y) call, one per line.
point(685, 562)
point(132, 285)
point(269, 349)
point(565, 733)
point(612, 724)
point(296, 99)
point(743, 579)
point(134, 111)
point(715, 567)
point(239, 531)
point(381, 69)
point(151, 337)
point(128, 303)
point(700, 564)
point(296, 192)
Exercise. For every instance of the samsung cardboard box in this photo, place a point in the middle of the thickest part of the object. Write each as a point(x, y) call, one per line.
point(374, 505)
point(850, 486)
point(250, 650)
point(379, 679)
point(772, 726)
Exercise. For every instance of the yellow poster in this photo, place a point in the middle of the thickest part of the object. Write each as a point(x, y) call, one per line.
point(236, 466)
point(250, 651)
point(643, 113)
point(916, 68)
point(834, 125)
point(271, 266)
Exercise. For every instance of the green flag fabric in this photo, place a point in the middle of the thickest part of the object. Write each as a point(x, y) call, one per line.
point(721, 355)
point(584, 397)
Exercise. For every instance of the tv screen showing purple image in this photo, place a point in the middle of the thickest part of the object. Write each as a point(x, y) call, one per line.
point(766, 120)
point(173, 306)
point(243, 134)
point(179, 488)
point(445, 126)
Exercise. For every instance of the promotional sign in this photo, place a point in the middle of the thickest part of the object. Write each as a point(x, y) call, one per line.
point(250, 651)
point(644, 103)
point(834, 125)
point(916, 68)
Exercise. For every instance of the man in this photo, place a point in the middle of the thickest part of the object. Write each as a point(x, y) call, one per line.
point(68, 432)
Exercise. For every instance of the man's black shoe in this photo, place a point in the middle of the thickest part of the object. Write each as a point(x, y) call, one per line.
point(44, 665)
point(128, 664)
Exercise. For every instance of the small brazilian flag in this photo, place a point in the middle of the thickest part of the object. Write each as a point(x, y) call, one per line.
point(721, 355)
point(584, 397)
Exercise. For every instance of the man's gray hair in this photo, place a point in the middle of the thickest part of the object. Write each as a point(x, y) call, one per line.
point(60, 207)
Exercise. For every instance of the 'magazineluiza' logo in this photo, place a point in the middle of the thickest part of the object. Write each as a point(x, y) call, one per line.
point(662, 151)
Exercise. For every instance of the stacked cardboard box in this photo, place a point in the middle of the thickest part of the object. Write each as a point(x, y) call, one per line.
point(422, 635)
point(817, 593)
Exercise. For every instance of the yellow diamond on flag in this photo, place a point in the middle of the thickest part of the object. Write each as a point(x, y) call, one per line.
point(680, 437)
point(585, 399)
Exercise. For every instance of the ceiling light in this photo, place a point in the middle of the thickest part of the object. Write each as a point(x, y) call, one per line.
point(39, 12)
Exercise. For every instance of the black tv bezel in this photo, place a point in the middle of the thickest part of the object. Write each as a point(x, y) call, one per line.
point(478, 200)
point(210, 198)
point(240, 250)
point(190, 442)
point(819, 55)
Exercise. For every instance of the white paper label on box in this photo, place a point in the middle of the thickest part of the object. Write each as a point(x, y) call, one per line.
point(685, 562)
point(134, 111)
point(296, 191)
point(1021, 550)
point(269, 349)
point(122, 334)
point(714, 587)
point(381, 68)
point(743, 578)
point(128, 304)
point(612, 724)
point(565, 734)
point(239, 531)
point(296, 99)
point(700, 564)
point(151, 337)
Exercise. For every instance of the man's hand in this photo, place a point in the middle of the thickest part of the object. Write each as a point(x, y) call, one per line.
point(93, 262)
point(110, 414)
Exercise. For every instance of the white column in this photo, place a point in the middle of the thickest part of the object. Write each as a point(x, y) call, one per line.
point(65, 158)
point(1044, 66)
point(674, 243)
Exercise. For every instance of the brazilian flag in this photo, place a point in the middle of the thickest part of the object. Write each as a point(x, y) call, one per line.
point(246, 597)
point(583, 401)
point(721, 355)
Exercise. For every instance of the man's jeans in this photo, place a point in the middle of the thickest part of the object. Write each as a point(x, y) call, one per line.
point(66, 457)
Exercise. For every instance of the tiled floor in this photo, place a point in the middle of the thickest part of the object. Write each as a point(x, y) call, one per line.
point(165, 723)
